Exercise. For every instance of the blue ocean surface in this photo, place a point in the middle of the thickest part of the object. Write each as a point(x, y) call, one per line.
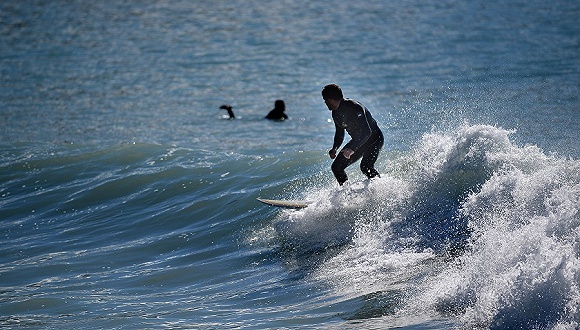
point(128, 198)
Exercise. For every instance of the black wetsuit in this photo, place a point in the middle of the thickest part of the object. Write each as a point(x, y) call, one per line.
point(276, 114)
point(367, 139)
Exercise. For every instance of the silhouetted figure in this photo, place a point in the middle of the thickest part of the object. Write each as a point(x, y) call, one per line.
point(278, 112)
point(228, 108)
point(367, 139)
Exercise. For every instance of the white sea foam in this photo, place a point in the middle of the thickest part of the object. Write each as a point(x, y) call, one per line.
point(522, 267)
point(477, 228)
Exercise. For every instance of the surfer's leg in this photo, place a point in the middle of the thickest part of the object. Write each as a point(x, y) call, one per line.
point(367, 164)
point(339, 164)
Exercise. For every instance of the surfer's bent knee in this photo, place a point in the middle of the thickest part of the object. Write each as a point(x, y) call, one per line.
point(338, 171)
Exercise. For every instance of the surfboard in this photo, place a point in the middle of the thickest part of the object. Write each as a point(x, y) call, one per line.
point(285, 203)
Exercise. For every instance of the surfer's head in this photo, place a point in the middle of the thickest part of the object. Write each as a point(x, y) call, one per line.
point(279, 105)
point(332, 91)
point(332, 95)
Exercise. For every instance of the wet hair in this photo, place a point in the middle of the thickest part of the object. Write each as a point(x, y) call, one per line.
point(332, 91)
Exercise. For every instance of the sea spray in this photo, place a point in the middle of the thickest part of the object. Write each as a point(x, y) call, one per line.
point(476, 228)
point(522, 268)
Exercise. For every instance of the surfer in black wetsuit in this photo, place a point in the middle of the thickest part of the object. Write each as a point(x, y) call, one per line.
point(366, 136)
point(278, 112)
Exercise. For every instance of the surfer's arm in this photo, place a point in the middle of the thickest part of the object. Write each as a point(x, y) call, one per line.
point(338, 137)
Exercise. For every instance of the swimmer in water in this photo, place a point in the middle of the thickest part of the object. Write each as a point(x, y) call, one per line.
point(228, 108)
point(278, 112)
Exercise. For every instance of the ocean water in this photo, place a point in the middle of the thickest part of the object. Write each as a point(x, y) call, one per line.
point(128, 201)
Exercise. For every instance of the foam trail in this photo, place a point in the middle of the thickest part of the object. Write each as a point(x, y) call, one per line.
point(332, 218)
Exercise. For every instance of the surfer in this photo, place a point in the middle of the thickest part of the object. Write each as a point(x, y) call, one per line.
point(366, 136)
point(278, 112)
point(228, 108)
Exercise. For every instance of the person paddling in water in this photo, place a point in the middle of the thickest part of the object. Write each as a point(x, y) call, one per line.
point(366, 136)
point(229, 109)
point(278, 112)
